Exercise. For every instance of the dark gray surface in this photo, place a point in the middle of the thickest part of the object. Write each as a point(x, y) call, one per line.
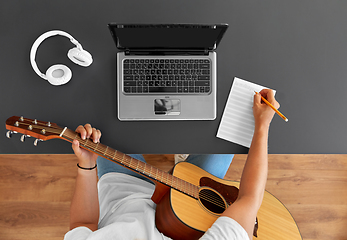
point(298, 48)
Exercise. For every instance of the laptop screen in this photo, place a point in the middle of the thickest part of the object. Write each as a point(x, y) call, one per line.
point(167, 36)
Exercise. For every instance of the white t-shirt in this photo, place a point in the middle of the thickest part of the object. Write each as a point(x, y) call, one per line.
point(127, 212)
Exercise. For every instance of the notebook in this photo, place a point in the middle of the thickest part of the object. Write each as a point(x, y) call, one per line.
point(166, 71)
point(237, 124)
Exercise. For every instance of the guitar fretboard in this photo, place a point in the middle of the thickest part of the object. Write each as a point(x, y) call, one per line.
point(138, 166)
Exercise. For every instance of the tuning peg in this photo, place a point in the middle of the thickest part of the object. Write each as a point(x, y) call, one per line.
point(9, 134)
point(22, 138)
point(36, 141)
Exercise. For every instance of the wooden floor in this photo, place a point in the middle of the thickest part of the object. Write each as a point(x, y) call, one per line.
point(35, 192)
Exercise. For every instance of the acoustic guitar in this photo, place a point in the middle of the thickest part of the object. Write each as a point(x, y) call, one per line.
point(188, 199)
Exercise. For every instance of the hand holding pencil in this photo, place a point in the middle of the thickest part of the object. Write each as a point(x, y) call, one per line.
point(265, 106)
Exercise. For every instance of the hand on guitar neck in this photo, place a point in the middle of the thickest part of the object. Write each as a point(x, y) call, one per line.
point(84, 209)
point(86, 158)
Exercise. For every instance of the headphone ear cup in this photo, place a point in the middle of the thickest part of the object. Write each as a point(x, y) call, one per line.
point(80, 57)
point(58, 74)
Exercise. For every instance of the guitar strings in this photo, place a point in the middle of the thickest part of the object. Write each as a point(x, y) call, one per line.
point(40, 127)
point(32, 122)
point(191, 190)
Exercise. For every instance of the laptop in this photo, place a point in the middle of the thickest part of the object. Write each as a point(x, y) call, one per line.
point(166, 71)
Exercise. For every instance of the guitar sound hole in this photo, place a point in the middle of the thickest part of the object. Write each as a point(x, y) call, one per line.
point(212, 201)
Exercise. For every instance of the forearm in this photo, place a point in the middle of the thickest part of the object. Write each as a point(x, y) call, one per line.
point(84, 210)
point(254, 174)
point(253, 180)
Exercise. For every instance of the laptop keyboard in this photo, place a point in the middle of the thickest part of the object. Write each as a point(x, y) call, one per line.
point(174, 76)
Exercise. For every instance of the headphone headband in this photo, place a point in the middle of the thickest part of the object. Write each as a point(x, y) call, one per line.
point(43, 37)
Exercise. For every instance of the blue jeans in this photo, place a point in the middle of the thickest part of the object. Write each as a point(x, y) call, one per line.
point(215, 164)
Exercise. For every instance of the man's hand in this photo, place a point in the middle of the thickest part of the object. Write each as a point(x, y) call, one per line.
point(84, 210)
point(86, 158)
point(263, 114)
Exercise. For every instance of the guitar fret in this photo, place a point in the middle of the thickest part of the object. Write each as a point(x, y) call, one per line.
point(85, 142)
point(181, 185)
point(150, 172)
point(109, 153)
point(105, 154)
point(128, 160)
point(141, 166)
point(170, 182)
point(131, 159)
point(174, 183)
point(96, 146)
point(124, 159)
point(114, 154)
point(161, 178)
point(153, 170)
point(144, 169)
point(137, 165)
point(102, 148)
point(165, 178)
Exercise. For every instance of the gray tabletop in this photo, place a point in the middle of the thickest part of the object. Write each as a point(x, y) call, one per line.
point(297, 47)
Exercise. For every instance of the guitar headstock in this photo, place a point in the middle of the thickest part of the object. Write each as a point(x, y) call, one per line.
point(32, 128)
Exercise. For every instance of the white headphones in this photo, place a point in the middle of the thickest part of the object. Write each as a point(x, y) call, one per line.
point(60, 74)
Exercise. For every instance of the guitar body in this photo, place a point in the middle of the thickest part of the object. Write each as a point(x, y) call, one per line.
point(182, 217)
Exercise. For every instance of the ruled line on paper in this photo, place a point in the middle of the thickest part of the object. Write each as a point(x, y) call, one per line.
point(237, 123)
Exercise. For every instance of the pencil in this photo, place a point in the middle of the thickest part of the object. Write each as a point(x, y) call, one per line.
point(270, 105)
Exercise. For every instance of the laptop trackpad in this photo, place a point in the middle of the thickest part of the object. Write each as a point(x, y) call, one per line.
point(164, 106)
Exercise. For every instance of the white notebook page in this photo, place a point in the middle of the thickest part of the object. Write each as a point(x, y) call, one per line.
point(237, 124)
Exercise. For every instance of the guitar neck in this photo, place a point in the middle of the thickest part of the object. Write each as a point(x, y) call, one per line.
point(47, 130)
point(144, 169)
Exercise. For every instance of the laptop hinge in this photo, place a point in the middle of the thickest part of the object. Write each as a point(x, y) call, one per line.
point(156, 52)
